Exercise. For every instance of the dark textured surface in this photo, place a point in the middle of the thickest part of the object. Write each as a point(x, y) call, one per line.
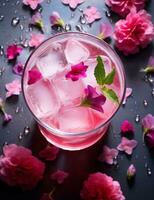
point(78, 164)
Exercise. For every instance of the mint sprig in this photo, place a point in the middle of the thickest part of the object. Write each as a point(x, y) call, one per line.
point(104, 79)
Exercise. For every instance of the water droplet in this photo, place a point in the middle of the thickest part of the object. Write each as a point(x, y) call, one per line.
point(15, 21)
point(20, 136)
point(5, 143)
point(145, 78)
point(150, 79)
point(152, 92)
point(40, 9)
point(115, 161)
point(82, 19)
point(72, 15)
point(81, 10)
point(2, 70)
point(146, 165)
point(79, 28)
point(68, 27)
point(1, 50)
point(48, 1)
point(17, 2)
point(3, 4)
point(107, 13)
point(145, 103)
point(17, 110)
point(21, 27)
point(1, 17)
point(149, 172)
point(26, 130)
point(137, 118)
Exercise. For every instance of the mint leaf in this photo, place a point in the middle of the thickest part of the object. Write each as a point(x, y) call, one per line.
point(109, 93)
point(99, 71)
point(110, 77)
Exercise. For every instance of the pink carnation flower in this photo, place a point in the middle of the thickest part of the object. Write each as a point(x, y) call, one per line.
point(19, 168)
point(99, 186)
point(13, 51)
point(32, 3)
point(123, 7)
point(13, 88)
point(133, 33)
point(92, 14)
point(36, 39)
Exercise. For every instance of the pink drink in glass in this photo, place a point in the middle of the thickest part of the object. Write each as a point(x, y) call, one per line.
point(56, 101)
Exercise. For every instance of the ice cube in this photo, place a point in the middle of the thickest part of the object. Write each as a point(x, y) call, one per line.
point(42, 98)
point(91, 63)
point(75, 119)
point(69, 91)
point(52, 62)
point(75, 52)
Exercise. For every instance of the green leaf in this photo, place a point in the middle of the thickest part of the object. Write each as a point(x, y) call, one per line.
point(99, 71)
point(110, 77)
point(109, 93)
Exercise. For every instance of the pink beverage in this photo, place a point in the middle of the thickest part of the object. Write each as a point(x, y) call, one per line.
point(55, 98)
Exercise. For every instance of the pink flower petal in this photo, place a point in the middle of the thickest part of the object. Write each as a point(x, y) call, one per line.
point(128, 93)
point(108, 155)
point(77, 71)
point(18, 68)
point(106, 30)
point(131, 172)
point(59, 176)
point(49, 153)
point(32, 3)
point(148, 123)
point(92, 14)
point(126, 126)
point(36, 39)
point(13, 51)
point(13, 88)
point(127, 145)
point(55, 19)
point(72, 3)
point(34, 75)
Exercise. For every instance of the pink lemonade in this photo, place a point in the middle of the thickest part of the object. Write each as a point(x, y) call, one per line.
point(55, 100)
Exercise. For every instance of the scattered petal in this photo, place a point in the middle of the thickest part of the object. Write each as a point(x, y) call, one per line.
point(131, 172)
point(37, 20)
point(128, 94)
point(148, 123)
point(134, 32)
point(49, 153)
point(127, 145)
point(149, 138)
point(93, 100)
point(34, 75)
point(123, 7)
point(126, 127)
point(108, 155)
point(99, 186)
point(92, 14)
point(72, 3)
point(13, 51)
point(55, 19)
point(7, 117)
point(18, 68)
point(59, 176)
point(36, 39)
point(32, 3)
point(13, 88)
point(77, 71)
point(18, 167)
point(106, 30)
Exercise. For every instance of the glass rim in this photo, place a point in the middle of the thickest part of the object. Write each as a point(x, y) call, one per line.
point(59, 132)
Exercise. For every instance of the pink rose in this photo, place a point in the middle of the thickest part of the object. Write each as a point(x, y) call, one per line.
point(101, 187)
point(133, 33)
point(123, 7)
point(18, 167)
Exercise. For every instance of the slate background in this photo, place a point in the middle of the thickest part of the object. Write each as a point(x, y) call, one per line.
point(79, 164)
